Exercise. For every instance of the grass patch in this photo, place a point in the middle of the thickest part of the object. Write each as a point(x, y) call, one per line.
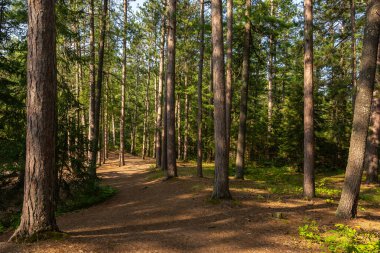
point(341, 238)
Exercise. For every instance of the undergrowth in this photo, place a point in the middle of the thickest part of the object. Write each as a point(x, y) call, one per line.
point(341, 238)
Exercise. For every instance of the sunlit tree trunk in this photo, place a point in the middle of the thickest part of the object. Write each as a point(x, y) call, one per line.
point(38, 215)
point(309, 149)
point(241, 144)
point(186, 134)
point(229, 74)
point(353, 50)
point(179, 127)
point(350, 195)
point(199, 89)
point(270, 74)
point(146, 115)
point(221, 184)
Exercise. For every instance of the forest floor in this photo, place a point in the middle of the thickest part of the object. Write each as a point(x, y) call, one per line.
point(151, 215)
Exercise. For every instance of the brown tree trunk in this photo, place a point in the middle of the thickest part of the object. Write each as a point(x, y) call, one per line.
point(309, 149)
point(350, 195)
point(199, 89)
point(186, 134)
point(179, 136)
point(92, 109)
point(38, 216)
point(146, 115)
point(113, 131)
point(353, 51)
point(221, 184)
point(372, 158)
point(170, 92)
point(123, 85)
point(160, 90)
point(240, 156)
point(229, 75)
point(270, 75)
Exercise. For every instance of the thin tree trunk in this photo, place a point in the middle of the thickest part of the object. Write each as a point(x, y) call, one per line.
point(229, 75)
point(113, 130)
point(309, 149)
point(92, 109)
point(350, 195)
point(199, 89)
point(38, 217)
point(179, 136)
point(221, 184)
point(145, 124)
point(170, 92)
point(240, 156)
point(160, 90)
point(123, 85)
point(186, 135)
point(105, 145)
point(270, 75)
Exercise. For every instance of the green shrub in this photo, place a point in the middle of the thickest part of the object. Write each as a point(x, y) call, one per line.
point(341, 239)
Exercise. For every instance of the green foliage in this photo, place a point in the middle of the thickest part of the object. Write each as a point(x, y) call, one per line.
point(341, 239)
point(86, 194)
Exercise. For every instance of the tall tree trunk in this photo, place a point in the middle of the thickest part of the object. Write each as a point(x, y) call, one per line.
point(229, 75)
point(123, 85)
point(146, 115)
point(98, 94)
point(92, 109)
point(160, 90)
point(350, 195)
point(186, 135)
point(38, 216)
point(179, 136)
point(240, 156)
point(113, 130)
point(372, 158)
point(353, 51)
point(170, 92)
point(199, 89)
point(270, 75)
point(221, 184)
point(309, 149)
point(105, 145)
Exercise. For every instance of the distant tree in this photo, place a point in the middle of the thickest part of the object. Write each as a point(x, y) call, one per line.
point(38, 216)
point(350, 195)
point(241, 144)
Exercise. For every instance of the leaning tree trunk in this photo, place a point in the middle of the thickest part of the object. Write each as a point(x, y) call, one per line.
point(221, 184)
point(38, 216)
point(199, 89)
point(240, 156)
point(123, 85)
point(309, 149)
point(170, 92)
point(229, 75)
point(350, 195)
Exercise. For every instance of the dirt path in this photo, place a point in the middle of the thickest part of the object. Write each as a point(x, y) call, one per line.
point(176, 216)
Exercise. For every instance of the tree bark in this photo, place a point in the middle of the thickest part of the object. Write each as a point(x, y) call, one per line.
point(309, 149)
point(229, 75)
point(146, 115)
point(372, 159)
point(160, 90)
point(179, 136)
point(199, 89)
point(170, 92)
point(241, 145)
point(270, 75)
point(92, 109)
point(38, 218)
point(221, 184)
point(353, 50)
point(123, 85)
point(350, 195)
point(186, 134)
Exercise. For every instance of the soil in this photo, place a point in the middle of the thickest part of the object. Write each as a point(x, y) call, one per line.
point(153, 215)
